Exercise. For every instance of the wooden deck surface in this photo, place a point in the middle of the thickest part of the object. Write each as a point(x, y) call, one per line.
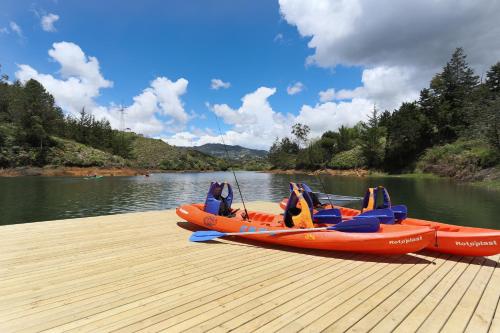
point(138, 272)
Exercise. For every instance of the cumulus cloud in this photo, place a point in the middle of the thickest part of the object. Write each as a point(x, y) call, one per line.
point(81, 82)
point(392, 32)
point(296, 88)
point(16, 28)
point(327, 95)
point(256, 124)
point(81, 78)
point(47, 22)
point(406, 42)
point(217, 84)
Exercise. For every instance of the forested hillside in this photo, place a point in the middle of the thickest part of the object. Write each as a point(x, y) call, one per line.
point(453, 129)
point(35, 132)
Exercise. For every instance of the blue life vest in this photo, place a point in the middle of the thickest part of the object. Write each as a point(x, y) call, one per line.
point(370, 199)
point(217, 204)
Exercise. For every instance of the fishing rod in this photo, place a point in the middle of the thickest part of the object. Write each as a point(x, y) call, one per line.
point(319, 178)
point(246, 217)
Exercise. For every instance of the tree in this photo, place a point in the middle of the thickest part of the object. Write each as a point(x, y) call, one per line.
point(282, 153)
point(373, 140)
point(301, 132)
point(450, 93)
point(493, 79)
point(408, 135)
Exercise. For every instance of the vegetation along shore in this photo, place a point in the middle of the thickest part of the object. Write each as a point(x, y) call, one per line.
point(452, 130)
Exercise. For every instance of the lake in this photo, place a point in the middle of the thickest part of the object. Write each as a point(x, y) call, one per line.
point(30, 199)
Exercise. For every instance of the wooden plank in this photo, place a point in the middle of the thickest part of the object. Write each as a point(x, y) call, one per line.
point(198, 318)
point(448, 303)
point(483, 314)
point(379, 311)
point(45, 320)
point(465, 308)
point(127, 318)
point(421, 294)
point(137, 271)
point(298, 309)
point(425, 308)
point(348, 313)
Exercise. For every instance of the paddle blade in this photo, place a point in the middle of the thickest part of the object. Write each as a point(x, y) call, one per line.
point(385, 216)
point(205, 235)
point(328, 216)
point(365, 224)
point(400, 212)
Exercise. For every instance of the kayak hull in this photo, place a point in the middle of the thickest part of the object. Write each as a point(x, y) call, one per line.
point(451, 239)
point(390, 239)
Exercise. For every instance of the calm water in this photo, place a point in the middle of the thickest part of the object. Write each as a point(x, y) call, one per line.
point(28, 199)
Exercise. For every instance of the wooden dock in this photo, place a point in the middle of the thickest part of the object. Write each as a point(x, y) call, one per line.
point(137, 272)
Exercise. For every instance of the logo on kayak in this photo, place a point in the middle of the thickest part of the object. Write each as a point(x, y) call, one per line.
point(476, 243)
point(210, 221)
point(309, 237)
point(405, 240)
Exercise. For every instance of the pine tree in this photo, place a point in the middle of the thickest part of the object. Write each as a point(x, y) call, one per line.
point(449, 96)
point(373, 140)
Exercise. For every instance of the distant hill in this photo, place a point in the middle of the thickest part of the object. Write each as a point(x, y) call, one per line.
point(157, 154)
point(237, 153)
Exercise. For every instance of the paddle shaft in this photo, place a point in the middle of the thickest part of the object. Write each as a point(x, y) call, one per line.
point(263, 232)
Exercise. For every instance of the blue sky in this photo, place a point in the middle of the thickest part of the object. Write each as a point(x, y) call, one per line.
point(250, 44)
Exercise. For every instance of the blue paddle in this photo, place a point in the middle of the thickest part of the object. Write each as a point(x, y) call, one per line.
point(385, 215)
point(355, 225)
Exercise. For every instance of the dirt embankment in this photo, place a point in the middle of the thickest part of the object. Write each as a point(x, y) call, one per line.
point(72, 171)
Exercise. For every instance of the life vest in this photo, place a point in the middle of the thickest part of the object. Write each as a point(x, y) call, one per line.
point(370, 199)
point(298, 217)
point(315, 203)
point(215, 203)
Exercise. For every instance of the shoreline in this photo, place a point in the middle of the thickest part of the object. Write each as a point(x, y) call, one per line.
point(58, 171)
point(331, 172)
point(64, 171)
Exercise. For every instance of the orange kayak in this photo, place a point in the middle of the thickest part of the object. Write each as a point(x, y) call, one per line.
point(452, 239)
point(390, 239)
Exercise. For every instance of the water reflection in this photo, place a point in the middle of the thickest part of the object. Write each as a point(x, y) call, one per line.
point(27, 199)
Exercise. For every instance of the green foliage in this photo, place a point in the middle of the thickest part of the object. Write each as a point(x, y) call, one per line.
point(461, 159)
point(454, 107)
point(157, 154)
point(300, 132)
point(408, 133)
point(373, 140)
point(70, 153)
point(283, 153)
point(449, 94)
point(350, 159)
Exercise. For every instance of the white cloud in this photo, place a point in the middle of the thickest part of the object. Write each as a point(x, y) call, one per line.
point(217, 84)
point(400, 42)
point(4, 30)
point(327, 95)
point(81, 82)
point(296, 88)
point(47, 22)
point(81, 77)
point(330, 116)
point(386, 86)
point(278, 38)
point(16, 28)
point(256, 124)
